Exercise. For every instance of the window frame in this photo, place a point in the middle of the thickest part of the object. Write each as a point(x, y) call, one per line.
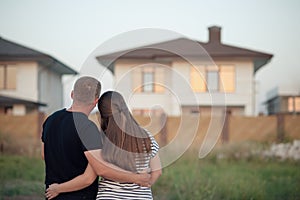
point(219, 86)
point(5, 83)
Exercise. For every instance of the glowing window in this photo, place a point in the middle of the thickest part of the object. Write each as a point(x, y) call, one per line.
point(197, 78)
point(227, 78)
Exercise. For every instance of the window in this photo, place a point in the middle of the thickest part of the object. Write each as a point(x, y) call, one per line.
point(297, 104)
point(159, 80)
point(227, 78)
point(291, 104)
point(197, 78)
point(8, 77)
point(212, 73)
point(148, 79)
point(294, 104)
point(213, 78)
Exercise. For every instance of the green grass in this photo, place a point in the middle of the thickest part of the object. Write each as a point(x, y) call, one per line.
point(191, 178)
point(187, 178)
point(21, 176)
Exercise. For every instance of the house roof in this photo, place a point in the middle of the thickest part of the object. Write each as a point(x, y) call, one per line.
point(10, 51)
point(188, 48)
point(9, 101)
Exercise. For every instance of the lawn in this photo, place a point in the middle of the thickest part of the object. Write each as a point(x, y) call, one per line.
point(187, 178)
point(190, 178)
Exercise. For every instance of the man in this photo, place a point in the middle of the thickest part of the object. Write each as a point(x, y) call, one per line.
point(71, 141)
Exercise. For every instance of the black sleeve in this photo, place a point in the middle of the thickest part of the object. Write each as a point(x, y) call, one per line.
point(43, 137)
point(90, 137)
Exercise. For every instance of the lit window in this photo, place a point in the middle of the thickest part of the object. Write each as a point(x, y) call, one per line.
point(227, 78)
point(197, 77)
point(294, 104)
point(291, 104)
point(2, 77)
point(297, 104)
point(159, 80)
point(8, 77)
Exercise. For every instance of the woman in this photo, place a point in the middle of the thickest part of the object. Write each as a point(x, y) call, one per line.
point(126, 145)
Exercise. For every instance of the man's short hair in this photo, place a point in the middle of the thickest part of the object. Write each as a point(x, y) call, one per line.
point(86, 90)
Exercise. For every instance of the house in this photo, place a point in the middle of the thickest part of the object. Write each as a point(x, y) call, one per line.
point(186, 76)
point(283, 100)
point(29, 80)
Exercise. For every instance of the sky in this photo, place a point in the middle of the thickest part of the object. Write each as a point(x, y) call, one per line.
point(71, 30)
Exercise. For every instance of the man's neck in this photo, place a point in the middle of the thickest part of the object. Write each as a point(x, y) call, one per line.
point(80, 108)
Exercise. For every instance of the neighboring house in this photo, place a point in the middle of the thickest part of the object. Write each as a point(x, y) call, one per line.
point(29, 80)
point(15, 106)
point(283, 100)
point(158, 74)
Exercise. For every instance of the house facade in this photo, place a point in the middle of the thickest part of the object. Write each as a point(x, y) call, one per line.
point(29, 80)
point(283, 100)
point(186, 76)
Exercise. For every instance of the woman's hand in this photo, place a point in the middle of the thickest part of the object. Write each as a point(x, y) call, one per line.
point(52, 192)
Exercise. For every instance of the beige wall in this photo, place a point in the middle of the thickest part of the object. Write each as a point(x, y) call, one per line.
point(124, 84)
point(180, 92)
point(26, 88)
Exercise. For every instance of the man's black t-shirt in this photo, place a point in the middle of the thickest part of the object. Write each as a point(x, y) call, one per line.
point(66, 136)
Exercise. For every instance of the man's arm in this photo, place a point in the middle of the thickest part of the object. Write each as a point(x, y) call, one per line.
point(112, 172)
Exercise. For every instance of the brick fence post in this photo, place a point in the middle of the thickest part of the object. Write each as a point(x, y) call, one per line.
point(163, 133)
point(225, 130)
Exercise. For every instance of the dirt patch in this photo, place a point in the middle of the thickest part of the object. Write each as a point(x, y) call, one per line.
point(24, 198)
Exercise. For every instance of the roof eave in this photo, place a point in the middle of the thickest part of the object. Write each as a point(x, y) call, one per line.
point(58, 66)
point(8, 101)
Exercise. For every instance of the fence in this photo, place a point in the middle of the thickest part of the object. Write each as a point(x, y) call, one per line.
point(275, 128)
point(21, 134)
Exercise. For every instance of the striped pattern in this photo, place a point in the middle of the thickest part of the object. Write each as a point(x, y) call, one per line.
point(110, 190)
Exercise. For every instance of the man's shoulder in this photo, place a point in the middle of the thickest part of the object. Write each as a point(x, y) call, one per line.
point(58, 112)
point(54, 115)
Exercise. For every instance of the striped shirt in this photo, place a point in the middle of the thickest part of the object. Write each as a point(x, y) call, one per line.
point(110, 190)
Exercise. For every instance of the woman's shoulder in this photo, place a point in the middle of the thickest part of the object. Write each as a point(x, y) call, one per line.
point(154, 144)
point(149, 134)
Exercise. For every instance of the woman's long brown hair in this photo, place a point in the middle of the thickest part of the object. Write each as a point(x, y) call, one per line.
point(125, 139)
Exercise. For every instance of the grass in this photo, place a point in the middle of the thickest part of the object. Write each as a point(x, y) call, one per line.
point(187, 178)
point(191, 178)
point(21, 176)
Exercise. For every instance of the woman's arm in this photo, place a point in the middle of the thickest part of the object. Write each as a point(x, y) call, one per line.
point(102, 168)
point(112, 172)
point(77, 183)
point(156, 171)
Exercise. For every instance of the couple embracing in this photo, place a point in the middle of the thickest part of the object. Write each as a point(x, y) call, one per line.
point(76, 152)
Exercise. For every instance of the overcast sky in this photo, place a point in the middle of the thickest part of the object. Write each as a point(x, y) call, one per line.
point(71, 30)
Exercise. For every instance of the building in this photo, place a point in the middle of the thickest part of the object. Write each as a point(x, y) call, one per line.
point(284, 100)
point(29, 80)
point(187, 76)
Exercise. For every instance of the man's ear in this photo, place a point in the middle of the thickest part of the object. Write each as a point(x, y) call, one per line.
point(72, 94)
point(96, 101)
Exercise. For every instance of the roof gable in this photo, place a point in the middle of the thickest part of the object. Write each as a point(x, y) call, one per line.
point(10, 51)
point(188, 48)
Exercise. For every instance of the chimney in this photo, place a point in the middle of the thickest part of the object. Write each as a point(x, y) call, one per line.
point(214, 34)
